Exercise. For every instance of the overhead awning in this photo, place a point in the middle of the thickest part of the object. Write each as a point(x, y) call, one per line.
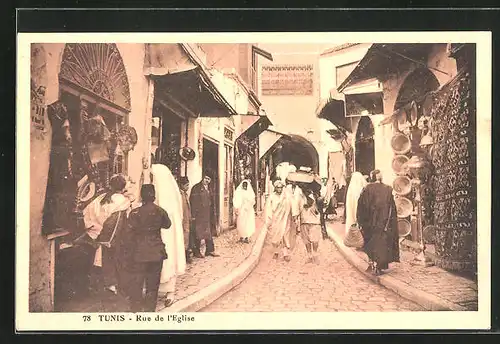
point(333, 110)
point(267, 139)
point(382, 59)
point(364, 104)
point(257, 127)
point(166, 58)
point(183, 81)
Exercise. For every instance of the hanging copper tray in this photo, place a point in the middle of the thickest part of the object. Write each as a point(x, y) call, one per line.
point(398, 164)
point(404, 206)
point(404, 227)
point(400, 143)
point(402, 185)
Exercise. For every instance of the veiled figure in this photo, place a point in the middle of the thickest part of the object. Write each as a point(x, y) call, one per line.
point(168, 196)
point(356, 186)
point(243, 202)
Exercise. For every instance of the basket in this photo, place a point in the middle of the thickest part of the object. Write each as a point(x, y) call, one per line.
point(404, 227)
point(400, 143)
point(404, 206)
point(300, 177)
point(402, 185)
point(397, 164)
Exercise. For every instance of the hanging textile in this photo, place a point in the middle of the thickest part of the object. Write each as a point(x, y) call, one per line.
point(454, 155)
point(245, 159)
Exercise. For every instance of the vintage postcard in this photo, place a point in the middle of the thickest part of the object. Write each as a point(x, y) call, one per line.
point(253, 181)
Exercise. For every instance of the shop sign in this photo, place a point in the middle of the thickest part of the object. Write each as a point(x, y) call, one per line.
point(287, 80)
point(38, 87)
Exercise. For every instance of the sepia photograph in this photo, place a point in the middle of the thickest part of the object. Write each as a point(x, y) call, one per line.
point(253, 176)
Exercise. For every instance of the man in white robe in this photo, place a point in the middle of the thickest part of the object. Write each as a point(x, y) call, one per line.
point(169, 198)
point(278, 220)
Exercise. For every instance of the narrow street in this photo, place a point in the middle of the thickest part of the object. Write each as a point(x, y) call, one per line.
point(332, 286)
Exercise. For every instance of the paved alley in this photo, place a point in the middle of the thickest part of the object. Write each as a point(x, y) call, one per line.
point(331, 286)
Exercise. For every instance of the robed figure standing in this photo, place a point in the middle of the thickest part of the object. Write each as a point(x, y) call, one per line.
point(203, 216)
point(377, 217)
point(168, 197)
point(278, 220)
point(243, 202)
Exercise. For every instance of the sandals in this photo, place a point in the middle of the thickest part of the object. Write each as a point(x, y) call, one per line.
point(170, 300)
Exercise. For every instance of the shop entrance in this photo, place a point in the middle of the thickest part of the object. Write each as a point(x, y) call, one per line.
point(365, 147)
point(211, 168)
point(166, 138)
point(93, 105)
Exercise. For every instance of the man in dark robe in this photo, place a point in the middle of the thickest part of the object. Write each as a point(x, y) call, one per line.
point(377, 217)
point(203, 217)
point(148, 252)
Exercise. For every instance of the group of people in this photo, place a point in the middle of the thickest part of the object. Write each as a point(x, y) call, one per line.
point(294, 210)
point(141, 247)
point(370, 206)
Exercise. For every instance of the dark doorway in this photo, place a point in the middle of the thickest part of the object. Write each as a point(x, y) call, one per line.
point(365, 147)
point(211, 168)
point(168, 139)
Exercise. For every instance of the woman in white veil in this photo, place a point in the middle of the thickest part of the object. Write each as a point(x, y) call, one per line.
point(357, 184)
point(168, 196)
point(243, 202)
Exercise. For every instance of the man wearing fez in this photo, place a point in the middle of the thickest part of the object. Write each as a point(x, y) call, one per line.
point(145, 224)
point(203, 216)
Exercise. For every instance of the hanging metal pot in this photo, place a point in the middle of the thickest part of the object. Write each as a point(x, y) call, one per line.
point(404, 206)
point(402, 185)
point(404, 228)
point(187, 153)
point(400, 143)
point(398, 164)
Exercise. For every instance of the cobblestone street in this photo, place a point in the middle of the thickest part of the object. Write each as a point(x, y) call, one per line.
point(332, 286)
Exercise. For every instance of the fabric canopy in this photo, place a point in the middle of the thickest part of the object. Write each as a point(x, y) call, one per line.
point(182, 79)
point(266, 140)
point(381, 59)
point(333, 110)
point(162, 59)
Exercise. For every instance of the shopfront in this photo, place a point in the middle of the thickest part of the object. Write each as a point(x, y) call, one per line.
point(90, 141)
point(247, 156)
point(432, 142)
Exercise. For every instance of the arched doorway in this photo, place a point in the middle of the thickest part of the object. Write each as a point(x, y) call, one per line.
point(89, 145)
point(298, 151)
point(93, 82)
point(364, 159)
point(416, 85)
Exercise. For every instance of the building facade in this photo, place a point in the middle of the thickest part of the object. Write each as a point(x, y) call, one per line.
point(404, 106)
point(290, 86)
point(101, 109)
